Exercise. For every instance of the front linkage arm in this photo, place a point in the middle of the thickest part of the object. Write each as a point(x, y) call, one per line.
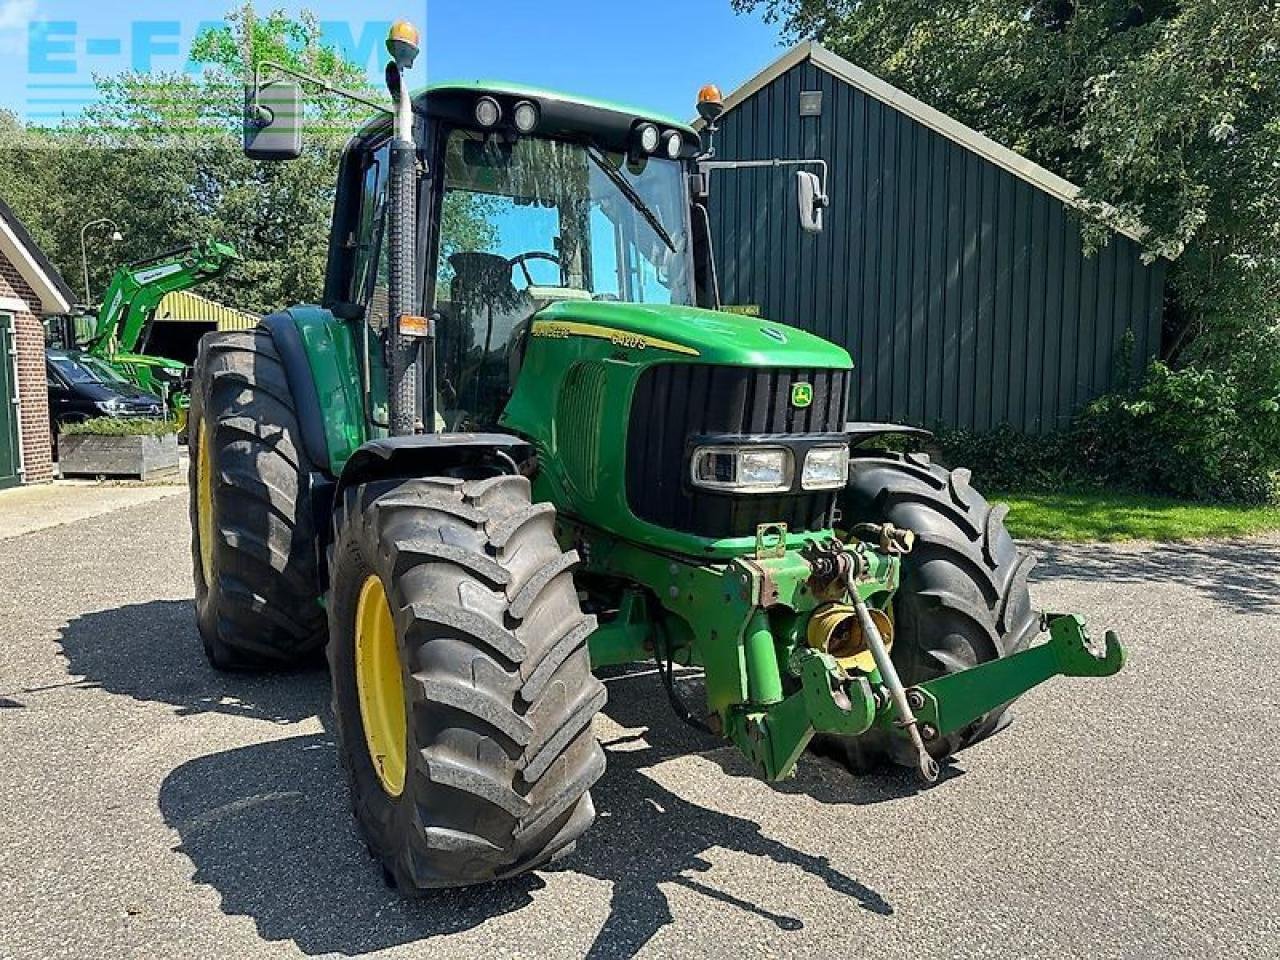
point(830, 701)
point(951, 703)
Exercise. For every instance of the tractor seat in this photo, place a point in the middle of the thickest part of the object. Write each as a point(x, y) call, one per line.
point(481, 332)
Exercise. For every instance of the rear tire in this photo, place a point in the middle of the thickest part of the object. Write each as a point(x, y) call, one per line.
point(963, 599)
point(498, 753)
point(254, 547)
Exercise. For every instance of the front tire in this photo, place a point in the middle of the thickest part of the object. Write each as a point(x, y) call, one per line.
point(963, 599)
point(476, 764)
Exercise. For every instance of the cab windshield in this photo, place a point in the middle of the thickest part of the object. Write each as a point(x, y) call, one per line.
point(530, 221)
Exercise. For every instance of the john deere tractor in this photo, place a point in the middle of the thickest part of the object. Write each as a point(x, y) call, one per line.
point(519, 442)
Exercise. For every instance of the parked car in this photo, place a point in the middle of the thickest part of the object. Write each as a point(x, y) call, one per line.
point(82, 386)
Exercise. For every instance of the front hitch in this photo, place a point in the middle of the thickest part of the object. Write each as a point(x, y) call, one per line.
point(831, 701)
point(955, 701)
point(773, 737)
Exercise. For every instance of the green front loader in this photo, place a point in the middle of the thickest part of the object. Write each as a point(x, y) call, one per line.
point(122, 328)
point(518, 441)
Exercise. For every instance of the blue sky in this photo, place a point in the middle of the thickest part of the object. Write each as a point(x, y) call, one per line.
point(656, 53)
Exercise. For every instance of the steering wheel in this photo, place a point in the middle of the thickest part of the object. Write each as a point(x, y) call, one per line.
point(521, 260)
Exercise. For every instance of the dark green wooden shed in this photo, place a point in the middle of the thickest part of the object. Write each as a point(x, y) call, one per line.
point(951, 267)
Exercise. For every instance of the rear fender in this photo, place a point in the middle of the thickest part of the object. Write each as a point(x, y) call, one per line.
point(320, 362)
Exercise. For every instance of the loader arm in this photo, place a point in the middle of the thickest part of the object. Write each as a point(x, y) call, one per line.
point(137, 289)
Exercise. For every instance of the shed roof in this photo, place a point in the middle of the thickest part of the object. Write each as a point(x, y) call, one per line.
point(928, 116)
point(18, 246)
point(186, 306)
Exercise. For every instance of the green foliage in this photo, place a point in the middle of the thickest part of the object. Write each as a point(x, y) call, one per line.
point(161, 155)
point(1167, 114)
point(1197, 433)
point(466, 223)
point(1092, 515)
point(1167, 110)
point(1204, 434)
point(120, 427)
point(1008, 460)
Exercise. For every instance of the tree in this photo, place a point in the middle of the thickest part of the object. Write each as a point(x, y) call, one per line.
point(1166, 110)
point(160, 154)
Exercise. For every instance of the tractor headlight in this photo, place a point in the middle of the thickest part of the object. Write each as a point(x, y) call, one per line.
point(825, 468)
point(648, 136)
point(742, 469)
point(525, 116)
point(674, 144)
point(488, 113)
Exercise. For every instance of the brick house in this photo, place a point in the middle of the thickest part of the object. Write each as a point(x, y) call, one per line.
point(30, 288)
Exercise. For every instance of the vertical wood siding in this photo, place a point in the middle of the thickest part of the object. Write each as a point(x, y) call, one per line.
point(962, 292)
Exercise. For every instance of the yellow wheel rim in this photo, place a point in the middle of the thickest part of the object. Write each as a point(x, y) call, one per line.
point(204, 502)
point(380, 686)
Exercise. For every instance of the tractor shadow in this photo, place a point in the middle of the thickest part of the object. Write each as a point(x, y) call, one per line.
point(269, 827)
point(636, 700)
point(1237, 575)
point(648, 836)
point(151, 651)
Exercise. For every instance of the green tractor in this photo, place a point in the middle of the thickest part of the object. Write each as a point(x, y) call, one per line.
point(519, 442)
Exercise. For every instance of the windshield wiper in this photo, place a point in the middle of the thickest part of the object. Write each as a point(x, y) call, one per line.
point(628, 191)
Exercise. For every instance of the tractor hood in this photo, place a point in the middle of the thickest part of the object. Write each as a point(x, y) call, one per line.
point(708, 336)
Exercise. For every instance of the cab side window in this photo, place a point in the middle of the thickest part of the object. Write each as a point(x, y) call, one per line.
point(369, 275)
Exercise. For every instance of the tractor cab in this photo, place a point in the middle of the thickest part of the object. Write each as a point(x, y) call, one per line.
point(525, 198)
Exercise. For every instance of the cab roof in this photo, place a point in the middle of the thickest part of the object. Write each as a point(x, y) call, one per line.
point(455, 99)
point(521, 91)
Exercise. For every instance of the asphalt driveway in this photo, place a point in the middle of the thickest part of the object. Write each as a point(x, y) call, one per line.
point(153, 808)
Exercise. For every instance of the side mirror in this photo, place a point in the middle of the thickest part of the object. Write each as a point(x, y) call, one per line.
point(273, 120)
point(811, 199)
point(698, 188)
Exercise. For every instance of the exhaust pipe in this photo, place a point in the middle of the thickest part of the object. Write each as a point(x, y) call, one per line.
point(405, 329)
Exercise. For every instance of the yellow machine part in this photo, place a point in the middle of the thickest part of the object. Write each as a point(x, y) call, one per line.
point(380, 686)
point(834, 629)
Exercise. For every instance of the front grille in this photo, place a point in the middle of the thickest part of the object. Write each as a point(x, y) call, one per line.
point(674, 404)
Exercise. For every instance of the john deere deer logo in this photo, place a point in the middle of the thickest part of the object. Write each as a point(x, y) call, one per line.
point(801, 394)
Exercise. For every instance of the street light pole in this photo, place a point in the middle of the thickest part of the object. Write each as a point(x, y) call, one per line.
point(84, 256)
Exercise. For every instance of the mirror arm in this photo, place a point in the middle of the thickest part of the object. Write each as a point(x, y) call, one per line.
point(325, 85)
point(707, 166)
